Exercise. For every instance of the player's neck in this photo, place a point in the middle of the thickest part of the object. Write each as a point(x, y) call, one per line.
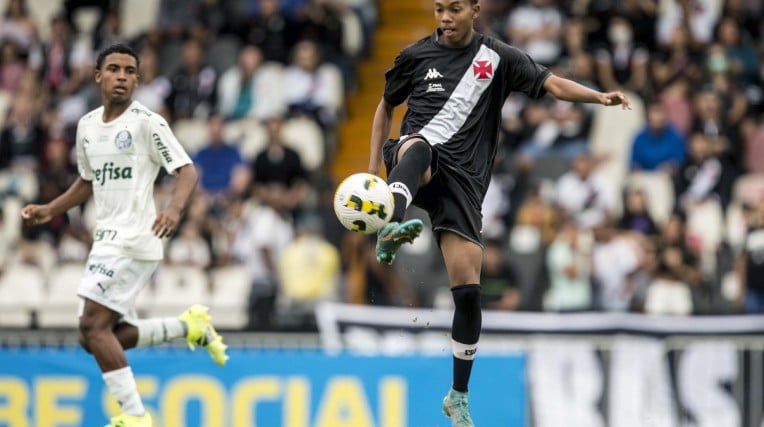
point(111, 110)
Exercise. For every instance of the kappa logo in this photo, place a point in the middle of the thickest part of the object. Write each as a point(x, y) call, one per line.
point(433, 73)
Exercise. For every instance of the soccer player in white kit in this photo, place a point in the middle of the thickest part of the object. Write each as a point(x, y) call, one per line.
point(120, 148)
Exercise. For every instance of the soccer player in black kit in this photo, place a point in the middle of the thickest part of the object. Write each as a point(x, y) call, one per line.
point(455, 82)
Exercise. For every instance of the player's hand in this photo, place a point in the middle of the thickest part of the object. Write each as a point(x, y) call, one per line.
point(35, 214)
point(616, 98)
point(166, 222)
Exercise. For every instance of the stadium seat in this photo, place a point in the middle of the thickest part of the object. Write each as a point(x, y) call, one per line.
point(176, 288)
point(659, 189)
point(58, 308)
point(21, 293)
point(230, 297)
point(248, 134)
point(612, 134)
point(192, 134)
point(11, 219)
point(5, 105)
point(705, 224)
point(304, 136)
point(133, 24)
point(352, 33)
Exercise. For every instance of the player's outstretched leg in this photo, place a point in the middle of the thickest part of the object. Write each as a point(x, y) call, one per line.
point(456, 407)
point(201, 332)
point(393, 235)
point(131, 421)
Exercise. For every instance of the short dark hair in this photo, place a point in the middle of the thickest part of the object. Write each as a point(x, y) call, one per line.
point(117, 48)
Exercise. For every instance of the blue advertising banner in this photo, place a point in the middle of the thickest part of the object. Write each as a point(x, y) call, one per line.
point(280, 388)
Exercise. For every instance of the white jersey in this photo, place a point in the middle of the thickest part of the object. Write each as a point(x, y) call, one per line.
point(122, 159)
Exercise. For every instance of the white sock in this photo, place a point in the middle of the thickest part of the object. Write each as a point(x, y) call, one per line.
point(159, 330)
point(121, 385)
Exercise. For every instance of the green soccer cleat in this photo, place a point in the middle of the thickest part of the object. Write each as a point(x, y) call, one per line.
point(125, 420)
point(393, 235)
point(456, 407)
point(201, 332)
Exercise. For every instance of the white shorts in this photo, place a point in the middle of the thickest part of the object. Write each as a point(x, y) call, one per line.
point(114, 281)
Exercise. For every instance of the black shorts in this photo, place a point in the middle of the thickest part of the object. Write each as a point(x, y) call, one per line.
point(445, 197)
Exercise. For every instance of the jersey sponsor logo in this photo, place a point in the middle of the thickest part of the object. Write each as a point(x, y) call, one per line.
point(432, 73)
point(100, 268)
point(163, 149)
point(435, 87)
point(483, 69)
point(123, 140)
point(109, 172)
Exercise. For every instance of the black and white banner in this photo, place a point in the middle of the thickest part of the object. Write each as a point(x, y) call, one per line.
point(591, 369)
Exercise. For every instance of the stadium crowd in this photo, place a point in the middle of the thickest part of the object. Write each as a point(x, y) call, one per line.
point(658, 210)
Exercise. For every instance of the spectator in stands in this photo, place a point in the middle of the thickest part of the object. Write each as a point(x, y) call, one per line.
point(189, 248)
point(675, 59)
point(272, 30)
point(584, 194)
point(193, 85)
point(740, 50)
point(312, 87)
point(19, 27)
point(752, 134)
point(61, 56)
point(309, 268)
point(498, 281)
point(22, 136)
point(155, 88)
point(636, 217)
point(698, 17)
point(249, 89)
point(568, 260)
point(536, 211)
point(658, 145)
point(12, 66)
point(617, 259)
point(222, 170)
point(266, 232)
point(279, 164)
point(677, 105)
point(749, 266)
point(701, 177)
point(668, 292)
point(370, 282)
point(622, 64)
point(536, 27)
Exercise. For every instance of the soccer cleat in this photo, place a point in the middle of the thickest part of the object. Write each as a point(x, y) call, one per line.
point(125, 420)
point(393, 235)
point(456, 407)
point(201, 332)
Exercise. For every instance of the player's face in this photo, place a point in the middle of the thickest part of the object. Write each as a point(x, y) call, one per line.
point(118, 78)
point(455, 20)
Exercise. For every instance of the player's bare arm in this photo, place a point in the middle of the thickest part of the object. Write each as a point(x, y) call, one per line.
point(568, 90)
point(78, 193)
point(168, 218)
point(380, 129)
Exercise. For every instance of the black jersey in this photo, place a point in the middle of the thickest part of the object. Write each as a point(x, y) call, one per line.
point(455, 97)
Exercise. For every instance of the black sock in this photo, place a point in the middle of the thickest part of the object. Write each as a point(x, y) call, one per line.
point(405, 176)
point(465, 332)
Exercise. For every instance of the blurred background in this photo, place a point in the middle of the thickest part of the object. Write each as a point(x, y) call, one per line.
point(597, 222)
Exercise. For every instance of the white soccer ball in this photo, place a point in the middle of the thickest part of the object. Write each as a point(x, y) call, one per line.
point(363, 203)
